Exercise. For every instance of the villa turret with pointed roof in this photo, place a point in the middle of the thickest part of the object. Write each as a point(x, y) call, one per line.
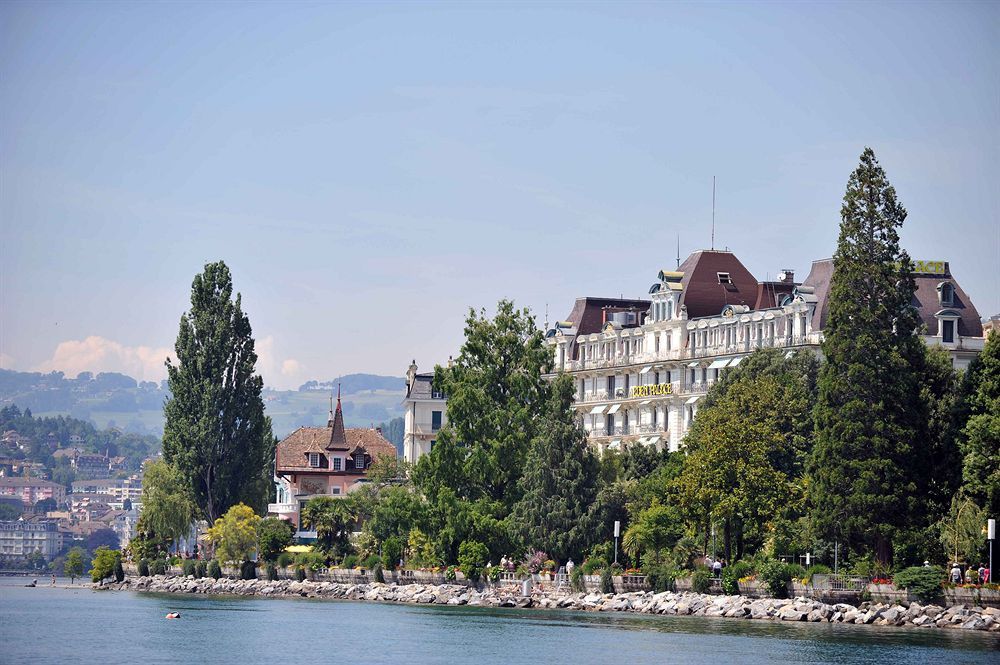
point(323, 461)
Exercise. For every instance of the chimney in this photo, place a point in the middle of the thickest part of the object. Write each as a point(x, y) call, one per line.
point(379, 430)
point(411, 373)
point(787, 275)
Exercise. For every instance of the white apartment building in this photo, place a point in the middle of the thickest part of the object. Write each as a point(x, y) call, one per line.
point(641, 366)
point(20, 538)
point(426, 413)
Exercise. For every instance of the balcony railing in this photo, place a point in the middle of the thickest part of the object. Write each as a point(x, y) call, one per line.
point(282, 508)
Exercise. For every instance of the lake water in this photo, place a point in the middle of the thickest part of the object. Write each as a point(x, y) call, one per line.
point(45, 625)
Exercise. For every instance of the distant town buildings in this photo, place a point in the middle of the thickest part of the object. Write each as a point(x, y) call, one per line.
point(642, 366)
point(425, 414)
point(323, 461)
point(21, 538)
point(32, 490)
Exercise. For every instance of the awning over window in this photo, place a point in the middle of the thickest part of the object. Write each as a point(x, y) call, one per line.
point(718, 364)
point(615, 445)
point(735, 361)
point(614, 408)
point(651, 440)
point(692, 400)
point(789, 354)
point(598, 409)
point(645, 402)
point(645, 370)
point(694, 364)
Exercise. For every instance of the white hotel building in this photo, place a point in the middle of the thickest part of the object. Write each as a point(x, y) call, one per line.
point(641, 366)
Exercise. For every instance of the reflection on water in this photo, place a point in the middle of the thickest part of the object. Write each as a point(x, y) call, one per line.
point(46, 625)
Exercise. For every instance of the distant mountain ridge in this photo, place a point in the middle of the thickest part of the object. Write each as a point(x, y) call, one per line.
point(115, 400)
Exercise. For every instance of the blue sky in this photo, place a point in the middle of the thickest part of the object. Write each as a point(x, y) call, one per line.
point(369, 171)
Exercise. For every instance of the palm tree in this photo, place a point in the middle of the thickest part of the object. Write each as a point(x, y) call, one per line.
point(332, 519)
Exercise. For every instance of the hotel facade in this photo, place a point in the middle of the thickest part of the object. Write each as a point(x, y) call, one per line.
point(641, 366)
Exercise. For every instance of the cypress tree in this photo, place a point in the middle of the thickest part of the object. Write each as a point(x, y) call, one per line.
point(869, 410)
point(559, 485)
point(216, 433)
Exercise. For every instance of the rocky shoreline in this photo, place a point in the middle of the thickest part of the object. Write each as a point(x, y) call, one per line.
point(639, 602)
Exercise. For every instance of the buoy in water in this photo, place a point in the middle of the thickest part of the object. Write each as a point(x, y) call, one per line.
point(174, 615)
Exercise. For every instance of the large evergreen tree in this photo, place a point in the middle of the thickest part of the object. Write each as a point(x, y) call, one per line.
point(559, 485)
point(869, 411)
point(216, 433)
point(981, 434)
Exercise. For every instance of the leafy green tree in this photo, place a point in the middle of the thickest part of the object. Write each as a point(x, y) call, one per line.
point(472, 559)
point(74, 564)
point(961, 530)
point(656, 528)
point(392, 551)
point(234, 535)
point(332, 520)
point(559, 486)
point(981, 433)
point(868, 412)
point(216, 433)
point(119, 572)
point(36, 560)
point(495, 392)
point(167, 505)
point(747, 447)
point(273, 536)
point(103, 565)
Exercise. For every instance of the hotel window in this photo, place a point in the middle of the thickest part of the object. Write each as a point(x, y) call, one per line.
point(337, 463)
point(583, 387)
point(948, 331)
point(314, 460)
point(656, 345)
point(670, 309)
point(654, 410)
point(334, 490)
point(946, 293)
point(435, 420)
point(625, 422)
point(725, 278)
point(610, 424)
point(611, 386)
point(359, 461)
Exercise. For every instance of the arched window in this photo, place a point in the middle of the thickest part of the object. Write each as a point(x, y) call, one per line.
point(670, 309)
point(946, 293)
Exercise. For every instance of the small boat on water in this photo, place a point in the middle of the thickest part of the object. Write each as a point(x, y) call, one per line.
point(174, 615)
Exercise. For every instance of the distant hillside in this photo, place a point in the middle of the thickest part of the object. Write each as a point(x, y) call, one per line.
point(117, 400)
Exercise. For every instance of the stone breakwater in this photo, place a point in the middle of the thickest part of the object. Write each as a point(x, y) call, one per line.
point(638, 602)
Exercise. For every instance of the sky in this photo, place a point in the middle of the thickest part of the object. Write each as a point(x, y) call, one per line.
point(371, 171)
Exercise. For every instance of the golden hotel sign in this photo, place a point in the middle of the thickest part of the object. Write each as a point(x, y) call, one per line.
point(652, 390)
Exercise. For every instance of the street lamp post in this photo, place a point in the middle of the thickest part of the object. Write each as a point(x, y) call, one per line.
point(991, 533)
point(618, 526)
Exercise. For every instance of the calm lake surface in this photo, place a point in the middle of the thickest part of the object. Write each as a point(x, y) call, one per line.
point(45, 625)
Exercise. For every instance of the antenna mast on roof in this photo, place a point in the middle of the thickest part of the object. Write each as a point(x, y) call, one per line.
point(678, 251)
point(713, 212)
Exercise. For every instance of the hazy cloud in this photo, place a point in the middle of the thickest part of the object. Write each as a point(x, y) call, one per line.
point(277, 372)
point(6, 361)
point(98, 354)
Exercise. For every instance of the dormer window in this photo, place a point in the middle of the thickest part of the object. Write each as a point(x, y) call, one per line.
point(724, 278)
point(946, 293)
point(314, 460)
point(359, 461)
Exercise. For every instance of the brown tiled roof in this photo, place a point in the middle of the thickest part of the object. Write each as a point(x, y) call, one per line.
point(926, 296)
point(703, 295)
point(589, 314)
point(292, 454)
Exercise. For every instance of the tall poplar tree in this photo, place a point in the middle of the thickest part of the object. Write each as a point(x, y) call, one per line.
point(869, 410)
point(216, 434)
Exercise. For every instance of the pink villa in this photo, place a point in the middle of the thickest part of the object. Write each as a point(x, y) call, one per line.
point(323, 461)
point(32, 490)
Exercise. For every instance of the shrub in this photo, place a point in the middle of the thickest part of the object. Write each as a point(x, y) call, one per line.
point(576, 580)
point(143, 568)
point(701, 581)
point(392, 552)
point(593, 564)
point(350, 561)
point(607, 583)
point(371, 562)
point(535, 561)
point(200, 568)
point(494, 573)
point(816, 569)
point(103, 563)
point(377, 573)
point(175, 560)
point(214, 569)
point(272, 572)
point(188, 567)
point(300, 574)
point(731, 576)
point(285, 559)
point(924, 583)
point(661, 578)
point(472, 558)
point(248, 570)
point(119, 571)
point(449, 573)
point(796, 571)
point(776, 575)
point(159, 567)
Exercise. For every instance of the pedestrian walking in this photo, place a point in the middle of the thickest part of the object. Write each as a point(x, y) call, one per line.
point(956, 574)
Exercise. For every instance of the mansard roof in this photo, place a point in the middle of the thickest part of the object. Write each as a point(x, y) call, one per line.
point(704, 294)
point(292, 454)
